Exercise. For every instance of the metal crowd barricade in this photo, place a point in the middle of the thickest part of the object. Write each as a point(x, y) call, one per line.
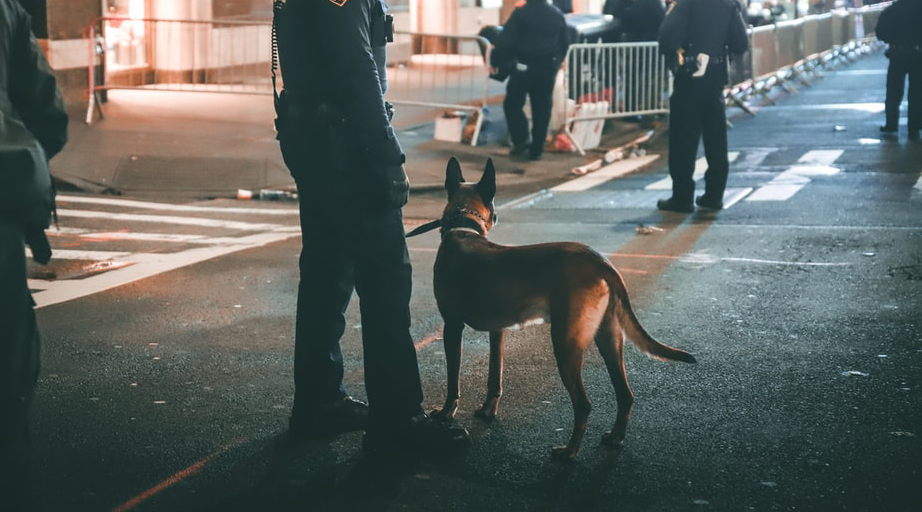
point(434, 73)
point(798, 49)
point(631, 78)
point(178, 55)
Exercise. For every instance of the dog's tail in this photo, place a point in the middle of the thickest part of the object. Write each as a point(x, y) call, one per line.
point(632, 328)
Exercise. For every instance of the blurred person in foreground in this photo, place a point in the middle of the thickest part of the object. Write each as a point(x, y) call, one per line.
point(33, 128)
point(537, 38)
point(338, 143)
point(900, 26)
point(699, 36)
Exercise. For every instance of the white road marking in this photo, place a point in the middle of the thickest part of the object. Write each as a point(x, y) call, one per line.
point(69, 254)
point(146, 265)
point(918, 185)
point(701, 166)
point(165, 219)
point(785, 185)
point(129, 203)
point(144, 237)
point(609, 172)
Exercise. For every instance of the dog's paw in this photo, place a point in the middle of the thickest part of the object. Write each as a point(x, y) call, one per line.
point(611, 438)
point(443, 415)
point(562, 454)
point(486, 413)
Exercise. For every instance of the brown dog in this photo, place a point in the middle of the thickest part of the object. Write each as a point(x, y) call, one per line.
point(491, 287)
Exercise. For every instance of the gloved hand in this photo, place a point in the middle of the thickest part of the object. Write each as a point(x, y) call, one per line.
point(38, 242)
point(397, 186)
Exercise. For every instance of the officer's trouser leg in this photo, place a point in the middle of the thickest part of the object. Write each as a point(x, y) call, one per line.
point(514, 102)
point(684, 135)
point(19, 364)
point(383, 280)
point(541, 93)
point(714, 135)
point(896, 80)
point(914, 121)
point(323, 296)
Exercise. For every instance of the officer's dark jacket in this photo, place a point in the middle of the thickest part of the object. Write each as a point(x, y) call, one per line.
point(641, 19)
point(333, 51)
point(28, 91)
point(536, 33)
point(704, 26)
point(901, 23)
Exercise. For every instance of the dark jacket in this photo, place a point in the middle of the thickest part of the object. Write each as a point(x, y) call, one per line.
point(32, 114)
point(641, 19)
point(28, 90)
point(333, 51)
point(536, 34)
point(714, 27)
point(901, 23)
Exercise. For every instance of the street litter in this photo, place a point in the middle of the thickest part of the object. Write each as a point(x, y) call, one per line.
point(266, 195)
point(902, 434)
point(648, 230)
point(838, 128)
point(855, 373)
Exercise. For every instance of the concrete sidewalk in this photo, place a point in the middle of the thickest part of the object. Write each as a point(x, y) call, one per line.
point(179, 146)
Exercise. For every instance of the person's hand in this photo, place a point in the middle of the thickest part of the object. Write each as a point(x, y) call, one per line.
point(397, 186)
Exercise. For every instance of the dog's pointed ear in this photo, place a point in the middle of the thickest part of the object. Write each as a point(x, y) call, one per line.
point(486, 187)
point(453, 177)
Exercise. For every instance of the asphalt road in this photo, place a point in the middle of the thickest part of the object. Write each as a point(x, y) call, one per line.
point(169, 388)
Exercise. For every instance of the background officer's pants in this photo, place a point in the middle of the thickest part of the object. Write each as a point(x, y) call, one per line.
point(696, 111)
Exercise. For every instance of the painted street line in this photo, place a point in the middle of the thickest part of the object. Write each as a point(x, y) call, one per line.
point(609, 172)
point(145, 265)
point(701, 166)
point(129, 203)
point(164, 219)
point(785, 185)
point(918, 185)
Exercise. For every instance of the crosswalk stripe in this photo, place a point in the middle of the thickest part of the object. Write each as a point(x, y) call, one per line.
point(789, 182)
point(610, 171)
point(701, 166)
point(145, 265)
point(70, 254)
point(165, 219)
point(130, 203)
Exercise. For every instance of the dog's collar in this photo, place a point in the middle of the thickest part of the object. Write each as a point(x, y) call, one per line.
point(455, 219)
point(461, 218)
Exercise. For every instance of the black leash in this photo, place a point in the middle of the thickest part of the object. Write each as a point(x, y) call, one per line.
point(429, 226)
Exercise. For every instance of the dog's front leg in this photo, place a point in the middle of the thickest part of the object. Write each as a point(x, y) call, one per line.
point(452, 341)
point(495, 377)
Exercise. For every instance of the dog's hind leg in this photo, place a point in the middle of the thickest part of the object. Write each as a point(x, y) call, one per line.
point(570, 341)
point(494, 379)
point(610, 340)
point(451, 338)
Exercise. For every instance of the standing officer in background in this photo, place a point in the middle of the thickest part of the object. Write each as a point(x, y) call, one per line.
point(337, 141)
point(900, 26)
point(536, 36)
point(699, 35)
point(33, 128)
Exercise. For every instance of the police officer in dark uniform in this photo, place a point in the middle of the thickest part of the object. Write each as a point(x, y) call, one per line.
point(33, 128)
point(699, 35)
point(899, 26)
point(536, 36)
point(337, 141)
